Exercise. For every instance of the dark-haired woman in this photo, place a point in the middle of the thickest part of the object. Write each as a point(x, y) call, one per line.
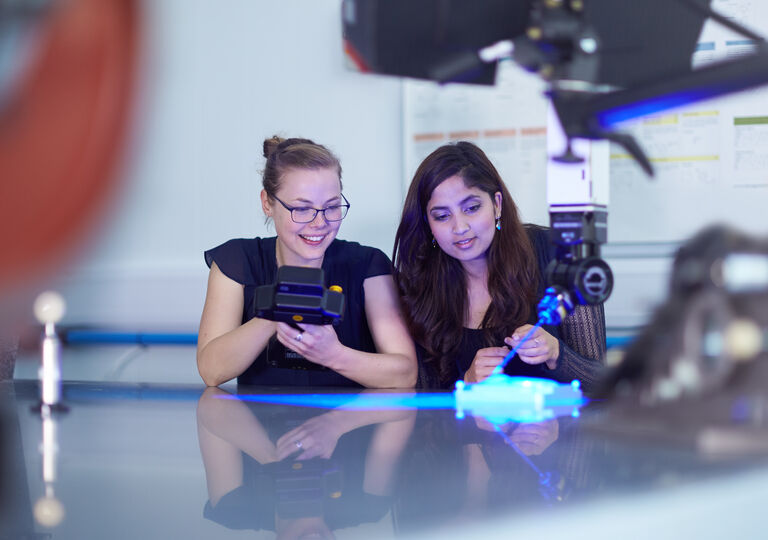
point(469, 274)
point(370, 347)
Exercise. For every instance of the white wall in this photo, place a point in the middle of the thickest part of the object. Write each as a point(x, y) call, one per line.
point(216, 79)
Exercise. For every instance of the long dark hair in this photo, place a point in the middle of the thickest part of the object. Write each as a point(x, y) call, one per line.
point(433, 285)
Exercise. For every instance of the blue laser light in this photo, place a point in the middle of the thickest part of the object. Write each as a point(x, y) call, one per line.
point(499, 399)
point(355, 401)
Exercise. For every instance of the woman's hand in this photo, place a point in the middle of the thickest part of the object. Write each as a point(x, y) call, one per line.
point(484, 363)
point(541, 347)
point(532, 439)
point(317, 437)
point(316, 343)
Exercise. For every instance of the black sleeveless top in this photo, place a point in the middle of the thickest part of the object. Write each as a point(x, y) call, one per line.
point(473, 339)
point(253, 262)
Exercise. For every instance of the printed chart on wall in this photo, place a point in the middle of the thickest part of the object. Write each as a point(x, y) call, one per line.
point(711, 159)
point(508, 121)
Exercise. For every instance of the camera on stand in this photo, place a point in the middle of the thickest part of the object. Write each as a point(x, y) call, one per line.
point(577, 232)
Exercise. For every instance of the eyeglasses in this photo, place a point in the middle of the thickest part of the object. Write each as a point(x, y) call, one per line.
point(307, 215)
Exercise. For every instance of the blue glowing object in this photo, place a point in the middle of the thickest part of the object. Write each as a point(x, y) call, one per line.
point(355, 401)
point(499, 370)
point(656, 104)
point(552, 309)
point(555, 305)
point(499, 399)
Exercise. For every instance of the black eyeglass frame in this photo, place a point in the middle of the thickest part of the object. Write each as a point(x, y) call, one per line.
point(346, 207)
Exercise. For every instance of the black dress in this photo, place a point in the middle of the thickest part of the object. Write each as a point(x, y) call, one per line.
point(252, 262)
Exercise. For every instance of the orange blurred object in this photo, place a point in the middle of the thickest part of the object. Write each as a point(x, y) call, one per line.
point(62, 132)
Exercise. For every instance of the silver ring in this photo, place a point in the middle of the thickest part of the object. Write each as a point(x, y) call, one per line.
point(298, 337)
point(297, 443)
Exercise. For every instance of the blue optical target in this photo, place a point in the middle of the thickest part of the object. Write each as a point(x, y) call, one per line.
point(501, 399)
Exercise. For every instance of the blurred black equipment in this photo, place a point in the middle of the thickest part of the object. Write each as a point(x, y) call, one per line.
point(300, 296)
point(577, 266)
point(580, 47)
point(605, 62)
point(700, 368)
point(430, 39)
point(713, 326)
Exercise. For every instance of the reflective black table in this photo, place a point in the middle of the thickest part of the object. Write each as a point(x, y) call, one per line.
point(150, 461)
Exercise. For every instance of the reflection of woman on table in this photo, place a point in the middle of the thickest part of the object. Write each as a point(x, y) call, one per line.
point(467, 471)
point(251, 466)
point(523, 441)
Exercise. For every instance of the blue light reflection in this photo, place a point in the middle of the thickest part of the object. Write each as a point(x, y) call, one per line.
point(355, 401)
point(611, 117)
point(499, 399)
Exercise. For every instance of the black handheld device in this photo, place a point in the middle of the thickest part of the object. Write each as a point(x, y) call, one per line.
point(299, 296)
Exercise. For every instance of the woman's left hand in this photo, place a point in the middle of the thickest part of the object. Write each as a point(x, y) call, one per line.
point(541, 347)
point(316, 343)
point(533, 439)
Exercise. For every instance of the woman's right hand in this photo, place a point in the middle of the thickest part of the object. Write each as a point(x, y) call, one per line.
point(317, 437)
point(484, 363)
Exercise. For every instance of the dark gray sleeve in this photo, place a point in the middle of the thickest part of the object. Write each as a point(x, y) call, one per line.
point(9, 344)
point(581, 335)
point(582, 347)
